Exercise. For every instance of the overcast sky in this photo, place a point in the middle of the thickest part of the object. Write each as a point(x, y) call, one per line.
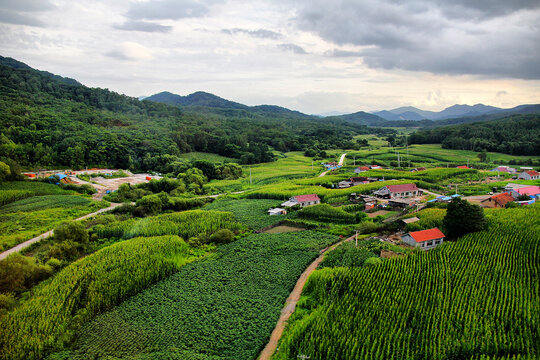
point(316, 56)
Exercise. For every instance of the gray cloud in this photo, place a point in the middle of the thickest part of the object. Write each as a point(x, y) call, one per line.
point(342, 53)
point(260, 33)
point(169, 9)
point(133, 25)
point(17, 11)
point(430, 35)
point(292, 47)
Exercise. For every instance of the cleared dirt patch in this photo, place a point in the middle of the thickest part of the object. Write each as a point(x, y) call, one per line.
point(283, 229)
point(377, 213)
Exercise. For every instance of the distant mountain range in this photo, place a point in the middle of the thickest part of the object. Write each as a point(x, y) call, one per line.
point(455, 111)
point(403, 116)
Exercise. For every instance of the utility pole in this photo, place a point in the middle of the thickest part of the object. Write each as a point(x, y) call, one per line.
point(398, 162)
point(456, 188)
point(250, 176)
point(356, 237)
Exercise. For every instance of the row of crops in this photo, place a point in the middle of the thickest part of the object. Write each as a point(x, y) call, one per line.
point(221, 307)
point(57, 308)
point(327, 213)
point(284, 191)
point(475, 298)
point(251, 212)
point(11, 191)
point(32, 216)
point(186, 224)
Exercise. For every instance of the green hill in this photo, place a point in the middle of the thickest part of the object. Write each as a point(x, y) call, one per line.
point(50, 121)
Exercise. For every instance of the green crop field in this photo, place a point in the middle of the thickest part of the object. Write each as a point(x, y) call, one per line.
point(477, 298)
point(186, 224)
point(222, 307)
point(292, 165)
point(29, 217)
point(251, 212)
point(17, 190)
point(208, 157)
point(56, 309)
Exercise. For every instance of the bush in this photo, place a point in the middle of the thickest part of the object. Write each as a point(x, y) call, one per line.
point(71, 231)
point(372, 261)
point(19, 273)
point(65, 250)
point(223, 236)
point(54, 263)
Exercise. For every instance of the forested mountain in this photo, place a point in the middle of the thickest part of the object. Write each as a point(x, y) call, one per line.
point(412, 113)
point(516, 135)
point(201, 101)
point(47, 120)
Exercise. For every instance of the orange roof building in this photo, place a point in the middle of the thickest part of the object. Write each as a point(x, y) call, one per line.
point(424, 239)
point(499, 200)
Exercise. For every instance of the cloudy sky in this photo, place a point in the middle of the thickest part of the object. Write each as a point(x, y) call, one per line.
point(316, 56)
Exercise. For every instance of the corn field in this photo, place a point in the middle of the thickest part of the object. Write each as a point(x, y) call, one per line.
point(477, 298)
point(56, 309)
point(185, 224)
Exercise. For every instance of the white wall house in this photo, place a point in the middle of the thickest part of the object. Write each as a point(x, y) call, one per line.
point(529, 175)
point(302, 200)
point(425, 239)
point(399, 191)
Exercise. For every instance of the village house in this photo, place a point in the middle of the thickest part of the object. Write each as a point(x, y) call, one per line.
point(418, 169)
point(360, 169)
point(302, 200)
point(425, 239)
point(375, 167)
point(529, 175)
point(505, 169)
point(398, 191)
point(511, 186)
point(531, 191)
point(499, 200)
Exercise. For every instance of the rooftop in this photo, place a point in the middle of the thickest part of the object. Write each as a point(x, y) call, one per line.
point(426, 235)
point(310, 197)
point(402, 188)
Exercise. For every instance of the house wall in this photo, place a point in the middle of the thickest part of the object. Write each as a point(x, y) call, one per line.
point(309, 203)
point(407, 239)
point(422, 245)
point(405, 194)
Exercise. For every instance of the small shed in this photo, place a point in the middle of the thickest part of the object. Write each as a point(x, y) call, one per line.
point(410, 220)
point(277, 211)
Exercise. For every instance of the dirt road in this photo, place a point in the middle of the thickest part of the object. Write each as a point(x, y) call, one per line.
point(27, 243)
point(290, 304)
point(340, 164)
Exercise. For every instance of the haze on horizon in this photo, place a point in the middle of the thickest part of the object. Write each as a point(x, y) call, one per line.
point(313, 56)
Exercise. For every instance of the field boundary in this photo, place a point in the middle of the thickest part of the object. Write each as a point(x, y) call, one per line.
point(292, 300)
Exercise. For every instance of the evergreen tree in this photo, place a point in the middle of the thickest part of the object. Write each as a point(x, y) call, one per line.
point(462, 218)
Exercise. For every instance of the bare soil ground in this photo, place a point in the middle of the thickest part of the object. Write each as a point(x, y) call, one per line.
point(377, 213)
point(283, 229)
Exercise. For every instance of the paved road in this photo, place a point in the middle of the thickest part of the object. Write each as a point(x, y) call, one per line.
point(27, 243)
point(290, 303)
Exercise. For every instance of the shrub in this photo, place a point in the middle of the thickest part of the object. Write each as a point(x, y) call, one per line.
point(223, 236)
point(71, 231)
point(18, 273)
point(372, 261)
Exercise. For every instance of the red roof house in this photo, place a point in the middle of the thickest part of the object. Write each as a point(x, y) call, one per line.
point(499, 200)
point(425, 239)
point(302, 200)
point(529, 175)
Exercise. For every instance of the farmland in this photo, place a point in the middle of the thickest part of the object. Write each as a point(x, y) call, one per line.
point(31, 216)
point(58, 308)
point(251, 212)
point(475, 297)
point(223, 307)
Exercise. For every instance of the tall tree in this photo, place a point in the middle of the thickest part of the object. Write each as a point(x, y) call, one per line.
point(462, 218)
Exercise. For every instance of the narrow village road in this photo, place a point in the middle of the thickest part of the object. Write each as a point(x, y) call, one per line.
point(430, 193)
point(340, 164)
point(27, 243)
point(292, 300)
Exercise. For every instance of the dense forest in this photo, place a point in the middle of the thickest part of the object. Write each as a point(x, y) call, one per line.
point(515, 135)
point(49, 121)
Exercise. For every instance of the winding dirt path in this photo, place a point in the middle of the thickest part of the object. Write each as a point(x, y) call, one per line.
point(27, 243)
point(340, 164)
point(290, 303)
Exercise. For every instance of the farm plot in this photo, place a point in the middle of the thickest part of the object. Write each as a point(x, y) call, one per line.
point(57, 308)
point(476, 298)
point(222, 307)
point(251, 212)
point(26, 218)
